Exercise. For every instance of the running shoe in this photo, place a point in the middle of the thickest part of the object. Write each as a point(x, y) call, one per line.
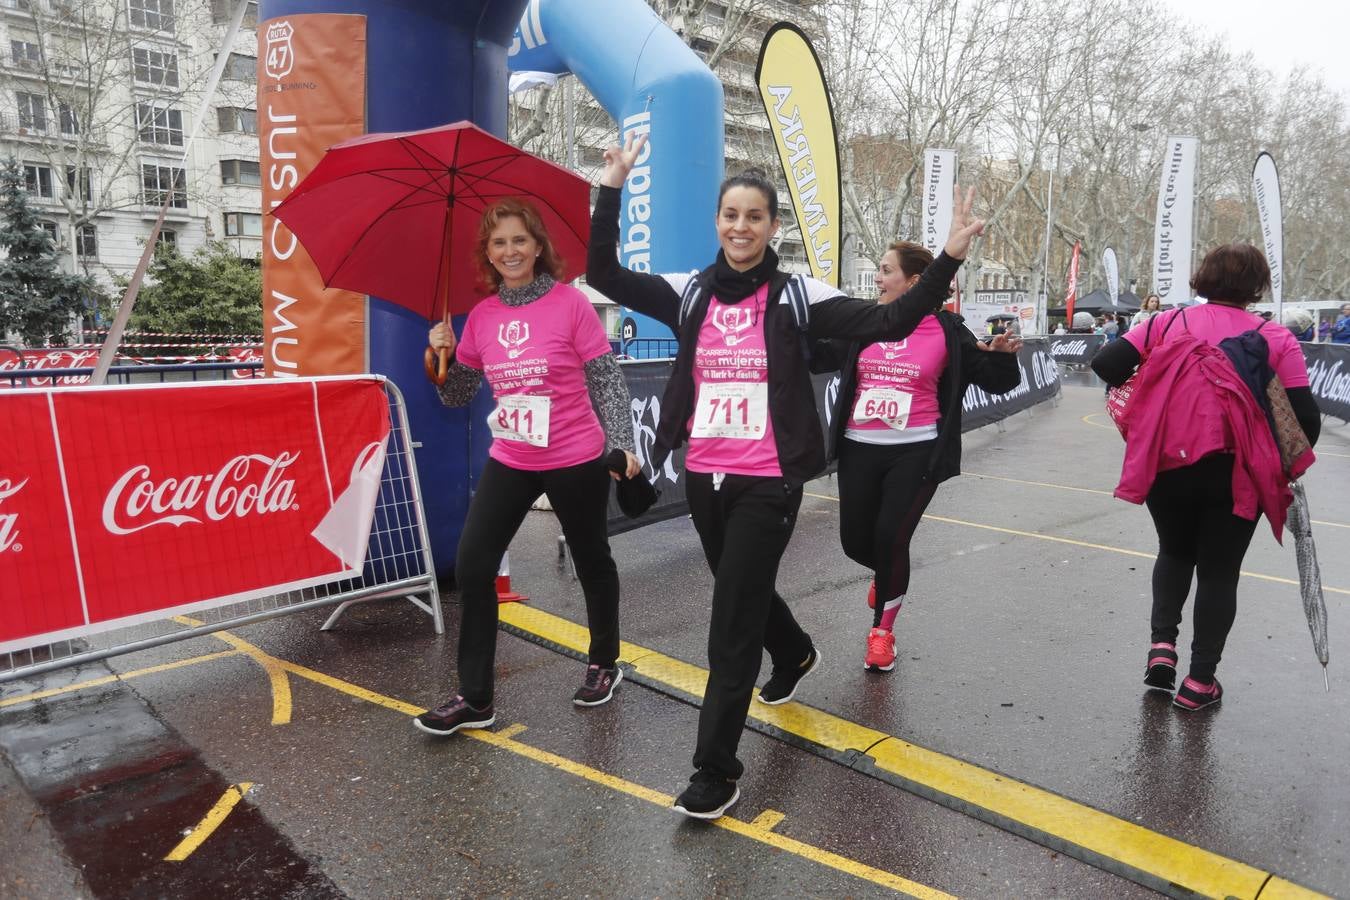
point(707, 797)
point(452, 715)
point(1161, 671)
point(872, 596)
point(1193, 695)
point(598, 687)
point(880, 651)
point(782, 683)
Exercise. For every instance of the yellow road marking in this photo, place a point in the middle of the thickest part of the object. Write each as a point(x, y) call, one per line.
point(768, 820)
point(1279, 889)
point(1133, 845)
point(1076, 543)
point(504, 740)
point(756, 830)
point(109, 679)
point(1090, 416)
point(1100, 833)
point(281, 688)
point(1083, 490)
point(210, 823)
point(1062, 487)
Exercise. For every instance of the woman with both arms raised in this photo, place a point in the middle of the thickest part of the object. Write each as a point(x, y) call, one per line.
point(741, 395)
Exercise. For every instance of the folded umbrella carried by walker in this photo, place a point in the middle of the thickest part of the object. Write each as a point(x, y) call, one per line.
point(396, 215)
point(1309, 576)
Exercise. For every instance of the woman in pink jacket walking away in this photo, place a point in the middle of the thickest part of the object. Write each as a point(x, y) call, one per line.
point(1205, 511)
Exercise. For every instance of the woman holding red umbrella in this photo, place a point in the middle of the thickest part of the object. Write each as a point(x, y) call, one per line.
point(546, 357)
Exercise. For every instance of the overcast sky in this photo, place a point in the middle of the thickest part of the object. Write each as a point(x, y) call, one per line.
point(1283, 34)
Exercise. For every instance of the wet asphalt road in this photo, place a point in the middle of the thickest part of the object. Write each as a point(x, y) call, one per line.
point(1018, 653)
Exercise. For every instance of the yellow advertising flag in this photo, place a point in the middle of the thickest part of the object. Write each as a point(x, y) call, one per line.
point(792, 86)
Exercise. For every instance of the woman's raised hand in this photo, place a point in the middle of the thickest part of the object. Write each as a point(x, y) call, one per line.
point(964, 224)
point(619, 160)
point(441, 338)
point(1004, 343)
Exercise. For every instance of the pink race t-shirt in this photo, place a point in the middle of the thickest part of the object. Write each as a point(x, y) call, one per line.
point(897, 397)
point(1212, 322)
point(533, 358)
point(731, 430)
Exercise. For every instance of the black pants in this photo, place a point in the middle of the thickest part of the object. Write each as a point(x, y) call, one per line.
point(580, 495)
point(1198, 535)
point(744, 526)
point(883, 492)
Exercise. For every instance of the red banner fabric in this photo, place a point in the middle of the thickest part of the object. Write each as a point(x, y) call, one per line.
point(1072, 295)
point(311, 95)
point(137, 503)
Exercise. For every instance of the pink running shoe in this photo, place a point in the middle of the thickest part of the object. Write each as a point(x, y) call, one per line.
point(1161, 671)
point(872, 596)
point(880, 651)
point(1193, 695)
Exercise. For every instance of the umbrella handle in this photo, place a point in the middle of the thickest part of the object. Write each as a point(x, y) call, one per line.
point(437, 373)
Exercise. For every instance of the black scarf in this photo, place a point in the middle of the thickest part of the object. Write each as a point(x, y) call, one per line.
point(731, 286)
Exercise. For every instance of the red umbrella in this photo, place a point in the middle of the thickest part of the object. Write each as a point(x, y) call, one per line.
point(396, 215)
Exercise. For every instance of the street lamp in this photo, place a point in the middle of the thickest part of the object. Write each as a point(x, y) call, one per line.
point(1139, 128)
point(1043, 308)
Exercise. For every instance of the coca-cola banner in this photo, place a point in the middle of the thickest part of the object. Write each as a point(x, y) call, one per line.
point(29, 361)
point(140, 502)
point(1328, 376)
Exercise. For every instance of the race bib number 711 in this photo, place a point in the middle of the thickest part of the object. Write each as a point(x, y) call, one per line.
point(738, 411)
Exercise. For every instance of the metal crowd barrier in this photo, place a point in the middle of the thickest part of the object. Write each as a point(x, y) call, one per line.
point(645, 348)
point(398, 565)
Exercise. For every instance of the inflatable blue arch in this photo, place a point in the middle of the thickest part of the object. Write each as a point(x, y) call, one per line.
point(439, 61)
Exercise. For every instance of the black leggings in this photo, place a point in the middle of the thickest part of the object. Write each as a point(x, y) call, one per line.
point(744, 525)
point(579, 495)
point(1198, 535)
point(883, 492)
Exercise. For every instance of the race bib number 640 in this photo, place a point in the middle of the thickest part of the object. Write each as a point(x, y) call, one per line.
point(737, 410)
point(521, 417)
point(885, 404)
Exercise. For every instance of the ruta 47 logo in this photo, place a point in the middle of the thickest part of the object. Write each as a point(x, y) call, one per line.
point(9, 522)
point(280, 56)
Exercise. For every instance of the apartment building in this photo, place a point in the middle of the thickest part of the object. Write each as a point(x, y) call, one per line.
point(98, 99)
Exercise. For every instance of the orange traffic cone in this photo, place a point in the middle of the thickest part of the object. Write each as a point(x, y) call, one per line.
point(504, 592)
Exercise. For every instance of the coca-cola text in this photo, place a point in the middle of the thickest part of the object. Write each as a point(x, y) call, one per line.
point(138, 501)
point(9, 522)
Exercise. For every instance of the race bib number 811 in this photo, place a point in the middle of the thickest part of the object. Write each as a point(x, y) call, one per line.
point(521, 417)
point(739, 411)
